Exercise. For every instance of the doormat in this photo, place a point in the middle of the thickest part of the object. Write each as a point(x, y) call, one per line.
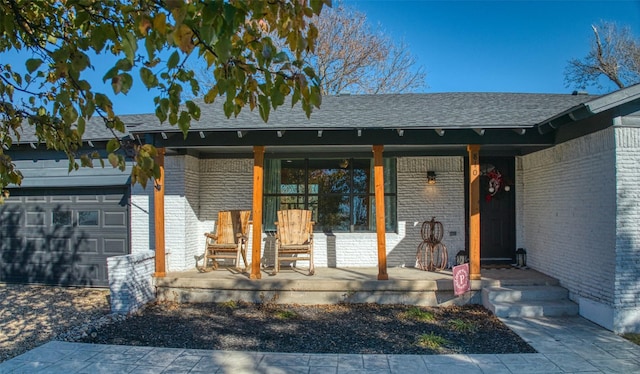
point(497, 266)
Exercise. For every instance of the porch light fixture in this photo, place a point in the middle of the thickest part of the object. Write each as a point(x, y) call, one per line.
point(462, 257)
point(521, 258)
point(164, 135)
point(431, 177)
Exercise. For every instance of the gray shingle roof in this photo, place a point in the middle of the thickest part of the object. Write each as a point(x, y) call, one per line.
point(395, 111)
point(437, 110)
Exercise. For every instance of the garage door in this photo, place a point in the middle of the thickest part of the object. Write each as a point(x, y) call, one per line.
point(62, 236)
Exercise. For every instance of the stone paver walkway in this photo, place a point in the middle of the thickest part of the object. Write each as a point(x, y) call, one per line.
point(564, 345)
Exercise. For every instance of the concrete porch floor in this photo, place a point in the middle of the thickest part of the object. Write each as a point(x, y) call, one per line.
point(333, 285)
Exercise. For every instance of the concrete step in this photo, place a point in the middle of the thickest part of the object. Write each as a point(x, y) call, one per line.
point(524, 293)
point(528, 301)
point(554, 308)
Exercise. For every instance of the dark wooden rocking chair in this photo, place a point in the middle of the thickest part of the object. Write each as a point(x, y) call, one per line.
point(229, 240)
point(294, 238)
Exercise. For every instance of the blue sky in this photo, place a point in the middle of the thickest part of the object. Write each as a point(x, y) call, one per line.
point(497, 46)
point(468, 46)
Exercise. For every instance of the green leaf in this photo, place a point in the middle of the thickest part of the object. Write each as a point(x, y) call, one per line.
point(113, 159)
point(129, 46)
point(126, 82)
point(173, 61)
point(33, 64)
point(69, 115)
point(173, 118)
point(124, 64)
point(110, 74)
point(277, 98)
point(184, 122)
point(264, 107)
point(113, 145)
point(99, 38)
point(194, 109)
point(316, 5)
point(210, 96)
point(81, 125)
point(148, 78)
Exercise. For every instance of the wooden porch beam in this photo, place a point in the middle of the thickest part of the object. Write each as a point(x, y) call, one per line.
point(474, 211)
point(258, 178)
point(378, 179)
point(158, 216)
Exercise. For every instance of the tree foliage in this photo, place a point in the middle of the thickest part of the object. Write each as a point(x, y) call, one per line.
point(351, 56)
point(614, 54)
point(149, 41)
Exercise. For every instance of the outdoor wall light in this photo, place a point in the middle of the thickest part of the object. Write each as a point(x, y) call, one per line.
point(431, 177)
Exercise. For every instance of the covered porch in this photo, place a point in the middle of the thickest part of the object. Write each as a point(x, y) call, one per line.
point(400, 149)
point(405, 285)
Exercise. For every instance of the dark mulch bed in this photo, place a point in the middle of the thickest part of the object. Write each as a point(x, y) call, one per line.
point(342, 328)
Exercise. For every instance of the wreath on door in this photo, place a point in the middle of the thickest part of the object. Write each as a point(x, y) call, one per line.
point(495, 181)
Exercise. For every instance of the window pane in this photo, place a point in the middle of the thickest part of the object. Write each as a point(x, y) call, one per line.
point(327, 176)
point(339, 192)
point(61, 218)
point(292, 180)
point(292, 202)
point(361, 175)
point(389, 213)
point(272, 176)
point(333, 213)
point(360, 213)
point(389, 175)
point(88, 218)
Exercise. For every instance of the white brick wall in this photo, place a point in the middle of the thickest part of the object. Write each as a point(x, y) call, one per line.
point(181, 203)
point(130, 281)
point(419, 201)
point(567, 210)
point(228, 184)
point(627, 286)
point(224, 184)
point(142, 238)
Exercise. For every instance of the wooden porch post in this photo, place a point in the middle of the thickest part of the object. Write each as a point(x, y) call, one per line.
point(474, 211)
point(378, 179)
point(158, 210)
point(258, 177)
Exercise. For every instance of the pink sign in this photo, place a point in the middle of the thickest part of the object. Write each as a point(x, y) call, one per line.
point(461, 282)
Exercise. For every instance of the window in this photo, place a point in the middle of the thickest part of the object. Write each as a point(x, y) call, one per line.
point(88, 218)
point(61, 218)
point(339, 192)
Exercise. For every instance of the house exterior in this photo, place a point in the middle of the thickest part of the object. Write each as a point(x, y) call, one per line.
point(556, 175)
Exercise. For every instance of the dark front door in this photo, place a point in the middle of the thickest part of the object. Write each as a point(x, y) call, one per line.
point(497, 210)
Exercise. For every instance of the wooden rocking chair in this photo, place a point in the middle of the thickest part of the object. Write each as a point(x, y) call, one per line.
point(294, 238)
point(230, 239)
